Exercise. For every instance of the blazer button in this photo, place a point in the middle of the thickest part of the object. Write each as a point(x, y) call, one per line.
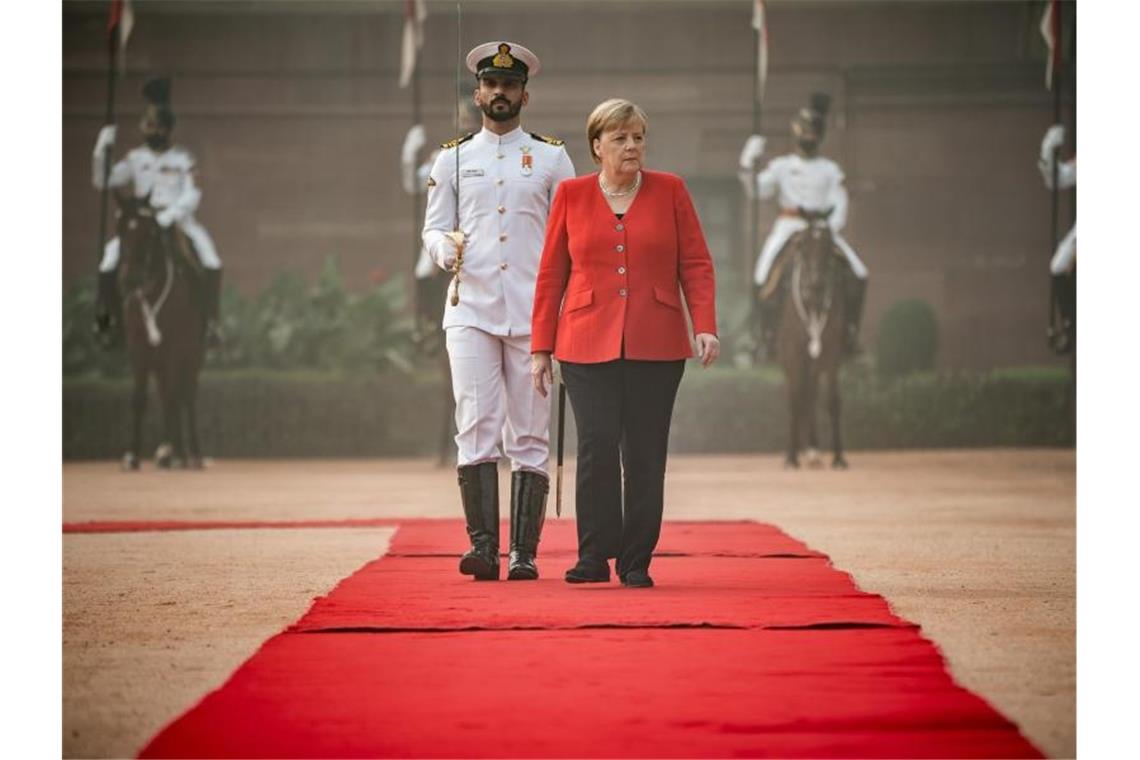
point(620, 227)
point(621, 270)
point(620, 248)
point(502, 238)
point(623, 293)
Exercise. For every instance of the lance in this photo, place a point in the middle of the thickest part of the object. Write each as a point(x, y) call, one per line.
point(456, 234)
point(1055, 55)
point(759, 24)
point(108, 118)
point(561, 446)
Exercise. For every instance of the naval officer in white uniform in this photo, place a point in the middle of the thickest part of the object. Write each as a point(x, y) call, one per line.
point(808, 181)
point(496, 187)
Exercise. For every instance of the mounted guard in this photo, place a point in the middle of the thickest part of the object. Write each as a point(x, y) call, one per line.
point(807, 185)
point(163, 173)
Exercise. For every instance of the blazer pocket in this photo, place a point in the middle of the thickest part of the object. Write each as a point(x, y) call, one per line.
point(667, 297)
point(578, 300)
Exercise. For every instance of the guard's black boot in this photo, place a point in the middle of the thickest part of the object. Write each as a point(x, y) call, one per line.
point(856, 292)
point(479, 489)
point(211, 298)
point(528, 513)
point(1062, 329)
point(108, 310)
point(770, 309)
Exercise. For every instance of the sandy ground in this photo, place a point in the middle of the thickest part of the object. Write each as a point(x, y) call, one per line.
point(978, 547)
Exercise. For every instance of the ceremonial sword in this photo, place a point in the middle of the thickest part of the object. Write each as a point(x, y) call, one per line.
point(561, 446)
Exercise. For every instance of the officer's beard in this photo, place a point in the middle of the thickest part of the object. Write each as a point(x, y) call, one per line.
point(157, 141)
point(808, 146)
point(512, 111)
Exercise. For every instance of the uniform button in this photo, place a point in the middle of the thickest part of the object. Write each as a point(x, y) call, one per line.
point(502, 209)
point(500, 156)
point(621, 270)
point(620, 227)
point(498, 182)
point(620, 248)
point(502, 238)
point(622, 292)
point(503, 266)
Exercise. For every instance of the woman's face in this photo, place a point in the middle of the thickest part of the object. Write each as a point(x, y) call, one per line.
point(622, 149)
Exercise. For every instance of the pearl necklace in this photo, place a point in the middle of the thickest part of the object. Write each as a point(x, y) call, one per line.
point(619, 193)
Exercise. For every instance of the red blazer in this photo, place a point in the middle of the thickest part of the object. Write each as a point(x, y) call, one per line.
point(604, 279)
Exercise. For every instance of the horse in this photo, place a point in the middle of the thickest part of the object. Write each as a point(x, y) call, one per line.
point(164, 324)
point(810, 335)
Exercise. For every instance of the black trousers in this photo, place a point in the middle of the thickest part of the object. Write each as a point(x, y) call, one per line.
point(623, 409)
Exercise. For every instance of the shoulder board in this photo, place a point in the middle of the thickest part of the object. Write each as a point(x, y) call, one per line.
point(545, 139)
point(456, 141)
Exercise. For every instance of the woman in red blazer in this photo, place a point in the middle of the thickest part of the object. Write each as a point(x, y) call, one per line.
point(621, 245)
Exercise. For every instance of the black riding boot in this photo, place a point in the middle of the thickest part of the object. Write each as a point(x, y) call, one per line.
point(856, 292)
point(479, 490)
point(211, 298)
point(108, 309)
point(770, 309)
point(528, 513)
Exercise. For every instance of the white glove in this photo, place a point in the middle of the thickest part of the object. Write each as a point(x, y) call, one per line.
point(105, 140)
point(1054, 139)
point(165, 217)
point(752, 150)
point(450, 246)
point(413, 141)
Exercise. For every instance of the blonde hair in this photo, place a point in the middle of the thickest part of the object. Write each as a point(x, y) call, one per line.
point(611, 114)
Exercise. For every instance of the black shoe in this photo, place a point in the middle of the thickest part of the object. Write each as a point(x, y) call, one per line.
point(479, 490)
point(589, 572)
point(637, 579)
point(528, 513)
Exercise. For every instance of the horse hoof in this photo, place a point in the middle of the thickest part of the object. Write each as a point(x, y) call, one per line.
point(195, 463)
point(839, 463)
point(130, 462)
point(791, 464)
point(814, 458)
point(164, 456)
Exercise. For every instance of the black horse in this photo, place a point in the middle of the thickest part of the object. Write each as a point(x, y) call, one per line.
point(163, 322)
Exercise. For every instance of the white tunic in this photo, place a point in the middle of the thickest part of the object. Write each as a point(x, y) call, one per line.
point(506, 185)
point(813, 184)
point(168, 178)
point(1065, 257)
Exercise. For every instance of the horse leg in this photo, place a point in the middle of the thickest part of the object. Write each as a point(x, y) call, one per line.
point(795, 394)
point(191, 403)
point(833, 407)
point(164, 455)
point(138, 410)
point(810, 403)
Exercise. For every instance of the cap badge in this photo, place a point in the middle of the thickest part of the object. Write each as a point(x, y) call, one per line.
point(503, 60)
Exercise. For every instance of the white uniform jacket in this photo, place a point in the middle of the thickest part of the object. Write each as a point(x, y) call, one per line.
point(813, 184)
point(168, 177)
point(506, 185)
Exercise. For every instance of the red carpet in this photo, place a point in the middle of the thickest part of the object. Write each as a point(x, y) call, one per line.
point(751, 645)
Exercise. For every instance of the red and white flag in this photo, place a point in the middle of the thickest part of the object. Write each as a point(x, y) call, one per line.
point(415, 11)
point(1051, 31)
point(122, 19)
point(760, 24)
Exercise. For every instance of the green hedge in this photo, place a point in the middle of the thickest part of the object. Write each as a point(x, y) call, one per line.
point(258, 413)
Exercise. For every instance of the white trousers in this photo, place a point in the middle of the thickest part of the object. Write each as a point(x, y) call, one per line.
point(782, 231)
point(1065, 257)
point(497, 408)
point(203, 245)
